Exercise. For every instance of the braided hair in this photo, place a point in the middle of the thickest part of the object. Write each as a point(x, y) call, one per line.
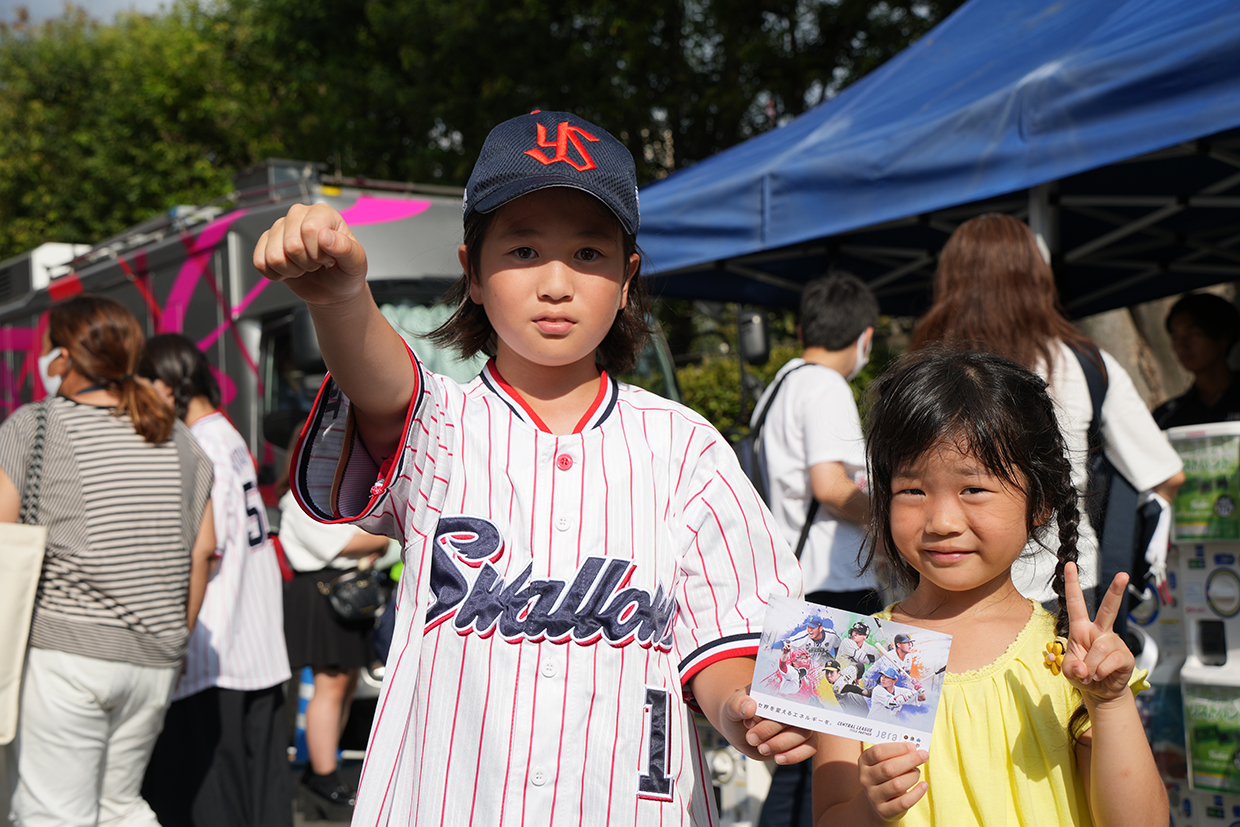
point(990, 408)
point(993, 410)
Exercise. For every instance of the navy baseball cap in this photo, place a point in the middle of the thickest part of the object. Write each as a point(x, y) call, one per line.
point(553, 149)
point(819, 620)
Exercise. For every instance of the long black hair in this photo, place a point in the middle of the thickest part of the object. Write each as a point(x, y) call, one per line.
point(988, 408)
point(177, 362)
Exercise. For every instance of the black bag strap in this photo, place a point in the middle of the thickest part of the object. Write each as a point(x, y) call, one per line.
point(1117, 533)
point(1096, 380)
point(810, 514)
point(756, 432)
point(34, 469)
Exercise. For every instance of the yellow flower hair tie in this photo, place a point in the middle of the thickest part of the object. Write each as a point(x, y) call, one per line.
point(1054, 655)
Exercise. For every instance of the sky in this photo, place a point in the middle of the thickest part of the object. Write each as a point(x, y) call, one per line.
point(100, 9)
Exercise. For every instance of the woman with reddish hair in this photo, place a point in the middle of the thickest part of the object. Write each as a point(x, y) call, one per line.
point(124, 492)
point(994, 291)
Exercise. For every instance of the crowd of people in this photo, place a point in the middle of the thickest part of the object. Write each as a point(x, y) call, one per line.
point(585, 560)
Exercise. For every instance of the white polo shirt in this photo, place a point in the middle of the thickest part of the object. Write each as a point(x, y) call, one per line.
point(813, 419)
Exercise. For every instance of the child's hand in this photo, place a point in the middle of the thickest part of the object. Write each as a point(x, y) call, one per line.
point(785, 744)
point(1097, 661)
point(890, 778)
point(313, 251)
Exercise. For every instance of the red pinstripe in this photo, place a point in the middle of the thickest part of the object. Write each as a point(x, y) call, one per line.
point(702, 491)
point(529, 755)
point(628, 453)
point(586, 748)
point(490, 463)
point(581, 504)
point(426, 716)
point(559, 753)
point(752, 557)
point(456, 717)
point(555, 452)
point(714, 598)
point(726, 545)
point(654, 498)
point(383, 708)
point(482, 726)
point(771, 537)
point(703, 773)
point(611, 776)
point(503, 805)
point(464, 477)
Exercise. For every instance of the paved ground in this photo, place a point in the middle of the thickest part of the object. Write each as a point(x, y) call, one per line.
point(351, 770)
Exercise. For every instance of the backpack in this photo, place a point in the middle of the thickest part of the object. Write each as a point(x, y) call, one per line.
point(749, 453)
point(1123, 530)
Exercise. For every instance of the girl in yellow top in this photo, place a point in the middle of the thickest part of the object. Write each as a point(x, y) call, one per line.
point(966, 463)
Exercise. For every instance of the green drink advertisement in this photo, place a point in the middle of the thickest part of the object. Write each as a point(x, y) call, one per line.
point(1205, 508)
point(1212, 723)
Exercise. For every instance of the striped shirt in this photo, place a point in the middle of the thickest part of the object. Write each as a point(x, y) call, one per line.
point(122, 515)
point(238, 641)
point(560, 592)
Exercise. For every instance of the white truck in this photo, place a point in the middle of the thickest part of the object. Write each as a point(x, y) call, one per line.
point(189, 272)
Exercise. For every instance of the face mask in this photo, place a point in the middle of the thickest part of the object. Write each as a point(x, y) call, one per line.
point(51, 384)
point(863, 355)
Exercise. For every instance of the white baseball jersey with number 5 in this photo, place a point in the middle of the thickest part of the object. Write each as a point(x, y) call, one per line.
point(559, 592)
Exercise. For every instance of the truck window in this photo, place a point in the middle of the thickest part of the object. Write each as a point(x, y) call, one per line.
point(413, 320)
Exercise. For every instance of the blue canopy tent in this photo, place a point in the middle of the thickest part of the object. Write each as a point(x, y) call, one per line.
point(1112, 126)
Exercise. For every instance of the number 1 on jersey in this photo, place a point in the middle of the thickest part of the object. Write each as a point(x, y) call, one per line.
point(654, 782)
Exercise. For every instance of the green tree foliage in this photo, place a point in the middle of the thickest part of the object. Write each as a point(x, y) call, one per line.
point(711, 384)
point(408, 89)
point(103, 126)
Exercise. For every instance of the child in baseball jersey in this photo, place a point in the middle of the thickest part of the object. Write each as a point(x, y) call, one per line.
point(582, 557)
point(1037, 721)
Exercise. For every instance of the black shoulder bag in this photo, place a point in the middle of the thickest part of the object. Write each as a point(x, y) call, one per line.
point(1122, 529)
point(752, 464)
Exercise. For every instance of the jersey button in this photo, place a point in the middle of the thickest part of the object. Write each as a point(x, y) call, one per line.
point(538, 778)
point(562, 523)
point(563, 462)
point(548, 669)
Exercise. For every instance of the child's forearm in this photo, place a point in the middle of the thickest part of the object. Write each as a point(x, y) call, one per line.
point(714, 688)
point(370, 363)
point(856, 812)
point(1123, 782)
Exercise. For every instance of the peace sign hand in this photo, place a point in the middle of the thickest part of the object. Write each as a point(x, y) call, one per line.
point(1097, 661)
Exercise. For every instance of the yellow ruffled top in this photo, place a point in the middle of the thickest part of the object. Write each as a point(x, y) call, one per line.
point(1000, 753)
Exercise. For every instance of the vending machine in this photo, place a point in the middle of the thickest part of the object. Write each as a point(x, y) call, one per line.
point(1159, 617)
point(1206, 533)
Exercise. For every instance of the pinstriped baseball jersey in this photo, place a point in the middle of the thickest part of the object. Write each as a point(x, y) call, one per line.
point(238, 641)
point(559, 592)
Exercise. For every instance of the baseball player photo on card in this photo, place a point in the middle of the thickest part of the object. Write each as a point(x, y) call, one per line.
point(849, 674)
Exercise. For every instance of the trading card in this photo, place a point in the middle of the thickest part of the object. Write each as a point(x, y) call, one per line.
point(849, 674)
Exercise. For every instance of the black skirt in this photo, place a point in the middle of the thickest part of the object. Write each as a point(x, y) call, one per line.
point(315, 634)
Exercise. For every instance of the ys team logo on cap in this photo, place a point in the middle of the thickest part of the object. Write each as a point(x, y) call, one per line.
point(593, 161)
point(565, 133)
